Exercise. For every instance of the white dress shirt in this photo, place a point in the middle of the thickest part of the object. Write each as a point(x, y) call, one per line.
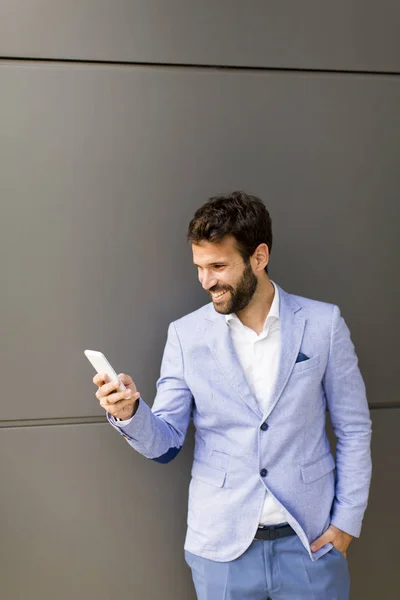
point(259, 358)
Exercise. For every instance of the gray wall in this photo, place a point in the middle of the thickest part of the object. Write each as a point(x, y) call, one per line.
point(117, 120)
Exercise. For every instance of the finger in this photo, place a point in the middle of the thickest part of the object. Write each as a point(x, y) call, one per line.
point(116, 408)
point(126, 380)
point(108, 388)
point(321, 541)
point(115, 397)
point(100, 379)
point(118, 396)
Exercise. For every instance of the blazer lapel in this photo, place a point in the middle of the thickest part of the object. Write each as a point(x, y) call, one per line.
point(219, 341)
point(292, 329)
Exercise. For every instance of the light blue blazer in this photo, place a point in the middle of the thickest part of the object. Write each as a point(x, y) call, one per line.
point(236, 457)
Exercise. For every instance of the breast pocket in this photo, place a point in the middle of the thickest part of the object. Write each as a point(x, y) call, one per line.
point(305, 365)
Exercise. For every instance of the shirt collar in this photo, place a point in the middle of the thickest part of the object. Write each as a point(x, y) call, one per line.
point(273, 311)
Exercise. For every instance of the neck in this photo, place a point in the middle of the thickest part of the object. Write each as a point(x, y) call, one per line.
point(255, 313)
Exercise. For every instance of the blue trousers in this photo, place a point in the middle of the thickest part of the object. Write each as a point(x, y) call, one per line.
point(277, 569)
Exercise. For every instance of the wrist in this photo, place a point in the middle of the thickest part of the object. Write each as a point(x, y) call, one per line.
point(131, 414)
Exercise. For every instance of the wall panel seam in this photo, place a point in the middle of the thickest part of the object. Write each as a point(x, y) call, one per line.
point(57, 421)
point(16, 59)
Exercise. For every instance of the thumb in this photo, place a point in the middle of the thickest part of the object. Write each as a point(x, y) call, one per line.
point(321, 541)
point(128, 382)
point(126, 379)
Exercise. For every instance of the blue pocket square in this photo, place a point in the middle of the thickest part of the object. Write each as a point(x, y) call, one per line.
point(302, 357)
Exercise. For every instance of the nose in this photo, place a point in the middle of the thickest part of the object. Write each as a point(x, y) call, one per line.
point(207, 281)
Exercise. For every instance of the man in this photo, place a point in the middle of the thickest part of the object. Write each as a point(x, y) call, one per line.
point(257, 368)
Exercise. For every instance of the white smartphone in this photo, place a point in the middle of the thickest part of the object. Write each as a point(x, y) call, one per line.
point(101, 365)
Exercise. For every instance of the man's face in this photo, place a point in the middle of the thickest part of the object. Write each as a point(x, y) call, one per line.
point(222, 269)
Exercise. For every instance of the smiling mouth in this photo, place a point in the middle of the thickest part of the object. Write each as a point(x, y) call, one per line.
point(219, 295)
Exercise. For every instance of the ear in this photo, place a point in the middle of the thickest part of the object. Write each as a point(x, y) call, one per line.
point(260, 257)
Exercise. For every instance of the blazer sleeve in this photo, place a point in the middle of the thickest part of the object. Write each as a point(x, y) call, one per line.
point(349, 413)
point(159, 433)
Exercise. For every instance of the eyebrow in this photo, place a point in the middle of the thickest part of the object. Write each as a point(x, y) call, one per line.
point(212, 264)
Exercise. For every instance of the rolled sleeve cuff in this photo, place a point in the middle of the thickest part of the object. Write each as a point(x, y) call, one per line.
point(346, 523)
point(130, 428)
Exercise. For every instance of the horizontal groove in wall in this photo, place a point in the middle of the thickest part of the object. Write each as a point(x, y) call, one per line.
point(52, 422)
point(4, 59)
point(94, 420)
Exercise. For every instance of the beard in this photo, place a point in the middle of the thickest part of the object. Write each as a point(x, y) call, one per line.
point(240, 296)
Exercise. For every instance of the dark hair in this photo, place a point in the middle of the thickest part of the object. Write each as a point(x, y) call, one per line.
point(244, 217)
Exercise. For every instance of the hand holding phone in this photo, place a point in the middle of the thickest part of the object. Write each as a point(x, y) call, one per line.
point(117, 394)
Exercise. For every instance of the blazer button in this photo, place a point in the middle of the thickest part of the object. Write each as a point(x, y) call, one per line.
point(263, 472)
point(264, 426)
